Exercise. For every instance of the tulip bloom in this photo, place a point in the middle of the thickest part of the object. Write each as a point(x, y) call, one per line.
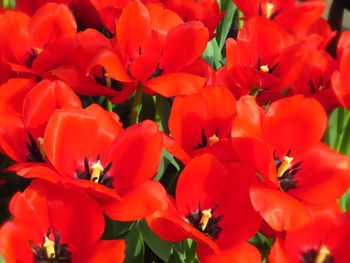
point(51, 224)
point(323, 240)
point(294, 168)
point(22, 132)
point(201, 123)
point(91, 152)
point(212, 206)
point(147, 49)
point(34, 45)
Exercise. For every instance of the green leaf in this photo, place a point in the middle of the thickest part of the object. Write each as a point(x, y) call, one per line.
point(225, 24)
point(177, 257)
point(159, 247)
point(344, 201)
point(134, 246)
point(2, 260)
point(212, 54)
point(116, 229)
point(262, 243)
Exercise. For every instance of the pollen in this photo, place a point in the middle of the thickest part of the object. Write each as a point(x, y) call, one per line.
point(97, 168)
point(41, 148)
point(323, 253)
point(49, 246)
point(206, 215)
point(264, 68)
point(268, 9)
point(213, 139)
point(108, 80)
point(285, 165)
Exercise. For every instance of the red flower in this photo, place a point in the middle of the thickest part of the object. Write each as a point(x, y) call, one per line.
point(212, 206)
point(146, 51)
point(201, 123)
point(262, 58)
point(50, 223)
point(323, 240)
point(36, 44)
point(291, 16)
point(21, 132)
point(295, 167)
point(91, 152)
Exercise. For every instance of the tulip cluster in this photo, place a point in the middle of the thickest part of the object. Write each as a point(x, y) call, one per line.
point(173, 131)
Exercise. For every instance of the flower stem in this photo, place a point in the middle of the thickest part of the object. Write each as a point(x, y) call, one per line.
point(135, 109)
point(109, 105)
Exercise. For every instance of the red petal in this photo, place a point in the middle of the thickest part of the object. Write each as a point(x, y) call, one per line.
point(133, 28)
point(42, 101)
point(241, 252)
point(295, 123)
point(50, 22)
point(140, 144)
point(103, 251)
point(174, 84)
point(141, 201)
point(279, 210)
point(183, 45)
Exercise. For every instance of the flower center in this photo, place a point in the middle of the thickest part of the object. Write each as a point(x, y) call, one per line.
point(317, 256)
point(52, 251)
point(205, 221)
point(107, 81)
point(36, 154)
point(286, 171)
point(207, 142)
point(96, 173)
point(264, 68)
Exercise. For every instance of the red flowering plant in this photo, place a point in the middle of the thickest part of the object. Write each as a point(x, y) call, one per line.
point(173, 131)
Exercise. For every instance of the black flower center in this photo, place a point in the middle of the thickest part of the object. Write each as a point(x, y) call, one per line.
point(286, 179)
point(211, 228)
point(110, 83)
point(52, 251)
point(103, 177)
point(315, 256)
point(207, 142)
point(34, 151)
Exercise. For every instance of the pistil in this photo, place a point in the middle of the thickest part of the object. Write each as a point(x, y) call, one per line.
point(285, 165)
point(49, 247)
point(206, 215)
point(96, 168)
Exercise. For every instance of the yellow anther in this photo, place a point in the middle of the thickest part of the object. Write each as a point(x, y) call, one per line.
point(268, 9)
point(322, 254)
point(213, 139)
point(206, 215)
point(264, 68)
point(41, 148)
point(49, 246)
point(285, 165)
point(97, 168)
point(38, 51)
point(108, 80)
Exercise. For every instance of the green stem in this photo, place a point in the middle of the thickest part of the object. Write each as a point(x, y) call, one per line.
point(254, 92)
point(109, 105)
point(158, 108)
point(135, 109)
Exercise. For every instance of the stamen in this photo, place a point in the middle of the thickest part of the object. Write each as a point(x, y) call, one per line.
point(49, 246)
point(108, 80)
point(206, 215)
point(97, 168)
point(41, 148)
point(264, 68)
point(323, 253)
point(213, 139)
point(268, 9)
point(285, 165)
